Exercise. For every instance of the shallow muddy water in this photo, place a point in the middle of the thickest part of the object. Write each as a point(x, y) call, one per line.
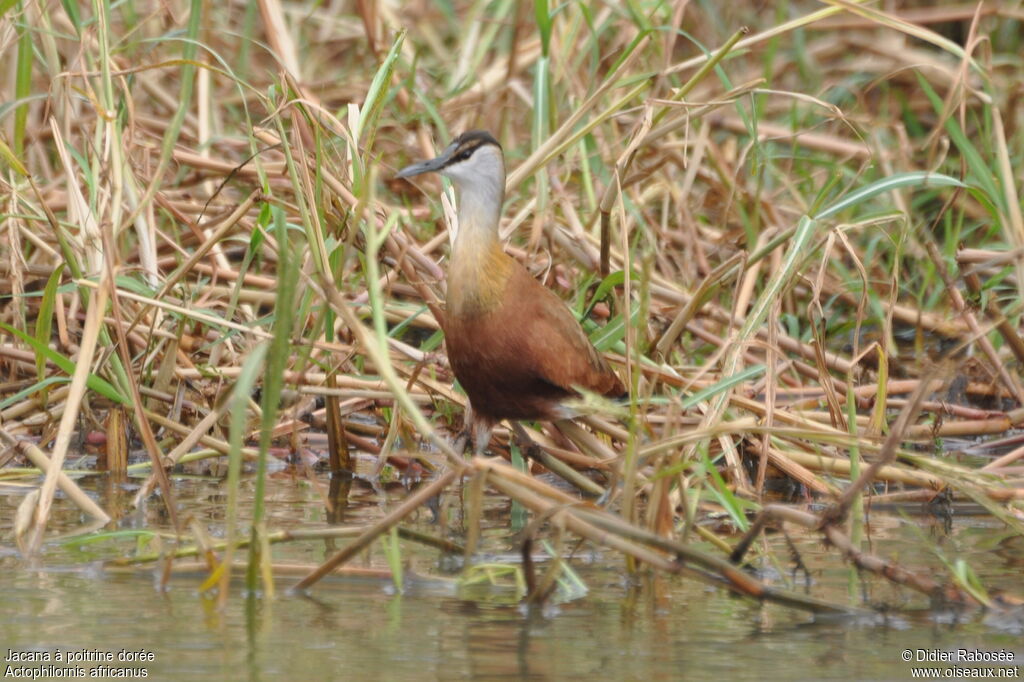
point(652, 627)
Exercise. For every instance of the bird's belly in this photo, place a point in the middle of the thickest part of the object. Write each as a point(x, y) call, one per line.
point(497, 372)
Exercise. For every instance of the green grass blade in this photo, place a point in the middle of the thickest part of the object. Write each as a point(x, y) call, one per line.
point(724, 385)
point(22, 87)
point(273, 380)
point(893, 182)
point(23, 394)
point(44, 320)
point(377, 95)
point(93, 381)
point(8, 155)
point(251, 372)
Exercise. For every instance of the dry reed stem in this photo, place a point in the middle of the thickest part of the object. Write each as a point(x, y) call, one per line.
point(942, 594)
point(410, 504)
point(40, 460)
point(90, 336)
point(619, 535)
point(711, 182)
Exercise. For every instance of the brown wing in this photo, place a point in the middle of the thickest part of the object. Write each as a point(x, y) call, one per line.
point(561, 351)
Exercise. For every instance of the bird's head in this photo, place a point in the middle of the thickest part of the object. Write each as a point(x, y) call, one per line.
point(473, 161)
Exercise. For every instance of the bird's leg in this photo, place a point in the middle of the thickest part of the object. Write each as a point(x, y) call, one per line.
point(482, 428)
point(462, 440)
point(476, 427)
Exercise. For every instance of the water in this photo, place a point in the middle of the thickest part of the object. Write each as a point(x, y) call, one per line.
point(651, 627)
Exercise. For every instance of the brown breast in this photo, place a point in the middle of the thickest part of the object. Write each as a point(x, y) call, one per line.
point(515, 347)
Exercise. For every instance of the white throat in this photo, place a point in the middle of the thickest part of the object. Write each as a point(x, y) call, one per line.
point(480, 186)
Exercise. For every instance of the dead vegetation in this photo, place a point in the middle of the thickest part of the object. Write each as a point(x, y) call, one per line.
point(799, 242)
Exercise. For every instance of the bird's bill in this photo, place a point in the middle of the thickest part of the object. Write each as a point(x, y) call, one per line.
point(434, 164)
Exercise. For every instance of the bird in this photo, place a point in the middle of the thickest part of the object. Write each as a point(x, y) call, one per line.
point(517, 350)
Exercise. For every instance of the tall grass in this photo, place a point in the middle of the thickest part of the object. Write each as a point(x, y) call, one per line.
point(768, 220)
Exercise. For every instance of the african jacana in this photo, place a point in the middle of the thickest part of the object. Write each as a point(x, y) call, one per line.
point(515, 347)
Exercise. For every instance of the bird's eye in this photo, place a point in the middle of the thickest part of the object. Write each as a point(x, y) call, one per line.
point(463, 155)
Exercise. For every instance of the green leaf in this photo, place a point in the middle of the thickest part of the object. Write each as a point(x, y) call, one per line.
point(44, 321)
point(888, 184)
point(723, 495)
point(723, 385)
point(8, 155)
point(544, 22)
point(81, 540)
point(71, 7)
point(93, 381)
point(393, 554)
point(614, 279)
point(22, 87)
point(980, 173)
point(5, 6)
point(38, 386)
point(375, 96)
point(252, 369)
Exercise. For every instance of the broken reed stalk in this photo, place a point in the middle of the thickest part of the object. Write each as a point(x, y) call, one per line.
point(339, 456)
point(587, 522)
point(275, 537)
point(554, 464)
point(115, 452)
point(610, 531)
point(1011, 381)
point(90, 337)
point(837, 513)
point(67, 486)
point(376, 529)
point(829, 522)
point(943, 593)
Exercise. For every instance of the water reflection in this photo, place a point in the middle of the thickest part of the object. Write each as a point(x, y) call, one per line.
point(646, 627)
